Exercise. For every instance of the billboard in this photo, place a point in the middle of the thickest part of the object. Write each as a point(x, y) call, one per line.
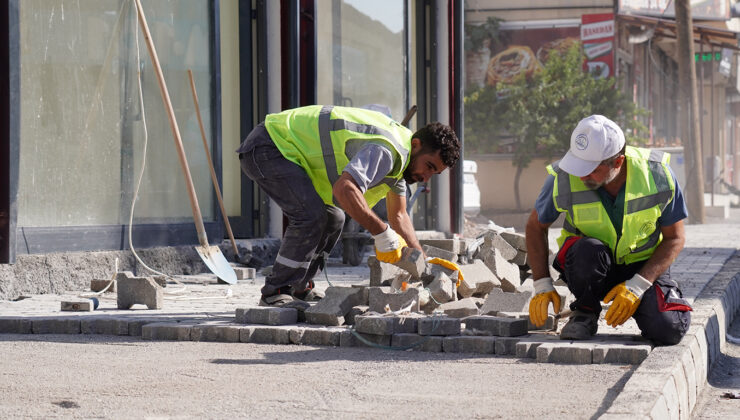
point(700, 9)
point(597, 37)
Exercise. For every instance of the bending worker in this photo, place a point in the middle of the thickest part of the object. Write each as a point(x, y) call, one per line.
point(623, 228)
point(313, 160)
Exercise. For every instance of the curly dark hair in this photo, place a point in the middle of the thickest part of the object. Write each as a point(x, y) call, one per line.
point(439, 137)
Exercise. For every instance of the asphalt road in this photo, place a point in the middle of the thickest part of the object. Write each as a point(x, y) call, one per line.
point(724, 378)
point(125, 377)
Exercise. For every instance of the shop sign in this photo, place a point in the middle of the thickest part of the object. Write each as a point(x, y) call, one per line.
point(597, 37)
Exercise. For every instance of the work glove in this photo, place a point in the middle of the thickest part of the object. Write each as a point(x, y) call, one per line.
point(449, 265)
point(388, 246)
point(626, 297)
point(544, 294)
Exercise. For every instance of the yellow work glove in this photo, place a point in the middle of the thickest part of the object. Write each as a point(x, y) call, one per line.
point(449, 265)
point(626, 297)
point(544, 294)
point(388, 246)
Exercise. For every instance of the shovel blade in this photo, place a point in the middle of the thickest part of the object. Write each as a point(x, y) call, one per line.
point(216, 262)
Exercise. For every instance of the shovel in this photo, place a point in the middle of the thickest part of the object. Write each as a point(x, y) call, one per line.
point(210, 254)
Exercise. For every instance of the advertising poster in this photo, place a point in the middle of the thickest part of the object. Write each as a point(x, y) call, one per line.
point(597, 37)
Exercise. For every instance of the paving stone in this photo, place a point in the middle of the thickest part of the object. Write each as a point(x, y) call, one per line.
point(135, 326)
point(549, 323)
point(500, 301)
point(138, 290)
point(335, 305)
point(266, 315)
point(104, 326)
point(565, 352)
point(380, 272)
point(468, 344)
point(442, 288)
point(328, 336)
point(216, 332)
point(687, 362)
point(505, 346)
point(517, 240)
point(349, 339)
point(349, 319)
point(505, 271)
point(494, 240)
point(166, 331)
point(477, 280)
point(379, 297)
point(97, 285)
point(55, 325)
point(10, 325)
point(526, 348)
point(520, 259)
point(428, 343)
point(434, 252)
point(386, 325)
point(265, 335)
point(450, 245)
point(439, 325)
point(491, 325)
point(85, 305)
point(460, 308)
point(621, 353)
point(245, 273)
point(413, 261)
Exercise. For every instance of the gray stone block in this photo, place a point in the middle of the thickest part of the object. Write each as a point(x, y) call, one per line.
point(468, 344)
point(68, 325)
point(507, 272)
point(380, 272)
point(379, 297)
point(97, 285)
point(245, 273)
point(349, 339)
point(82, 305)
point(490, 325)
point(265, 335)
point(494, 240)
point(11, 325)
point(621, 353)
point(478, 280)
point(349, 319)
point(413, 261)
point(416, 342)
point(500, 301)
point(442, 288)
point(434, 252)
point(138, 290)
point(328, 336)
point(517, 240)
point(505, 346)
point(450, 245)
point(266, 315)
point(135, 326)
point(565, 352)
point(335, 305)
point(460, 308)
point(526, 348)
point(439, 325)
point(166, 331)
point(520, 259)
point(386, 325)
point(216, 332)
point(104, 326)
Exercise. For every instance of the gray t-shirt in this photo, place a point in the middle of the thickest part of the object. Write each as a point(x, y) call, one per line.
point(369, 164)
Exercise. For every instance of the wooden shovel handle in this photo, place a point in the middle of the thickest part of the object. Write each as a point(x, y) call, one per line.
point(197, 216)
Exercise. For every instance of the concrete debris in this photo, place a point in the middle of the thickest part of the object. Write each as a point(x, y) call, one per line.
point(517, 240)
point(478, 280)
point(383, 299)
point(507, 272)
point(381, 272)
point(460, 308)
point(96, 285)
point(335, 305)
point(413, 261)
point(434, 252)
point(494, 240)
point(442, 288)
point(450, 245)
point(500, 301)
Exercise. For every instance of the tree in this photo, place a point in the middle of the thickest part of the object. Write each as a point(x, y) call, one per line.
point(536, 115)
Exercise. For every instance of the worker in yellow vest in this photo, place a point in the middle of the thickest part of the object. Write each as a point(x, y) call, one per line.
point(316, 161)
point(623, 228)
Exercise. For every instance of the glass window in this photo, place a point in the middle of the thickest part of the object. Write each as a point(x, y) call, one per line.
point(82, 129)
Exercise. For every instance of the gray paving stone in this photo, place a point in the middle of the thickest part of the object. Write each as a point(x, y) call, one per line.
point(428, 343)
point(216, 332)
point(505, 346)
point(477, 280)
point(468, 344)
point(412, 261)
point(507, 272)
point(77, 305)
point(97, 285)
point(135, 325)
point(245, 273)
point(379, 297)
point(13, 325)
point(104, 326)
point(527, 348)
point(460, 308)
point(517, 240)
point(500, 301)
point(328, 336)
point(266, 315)
point(494, 240)
point(138, 290)
point(451, 245)
point(687, 363)
point(166, 331)
point(565, 352)
point(520, 259)
point(549, 323)
point(335, 305)
point(349, 339)
point(386, 325)
point(439, 325)
point(56, 325)
point(621, 353)
point(434, 252)
point(265, 335)
point(349, 319)
point(491, 325)
point(442, 288)
point(380, 272)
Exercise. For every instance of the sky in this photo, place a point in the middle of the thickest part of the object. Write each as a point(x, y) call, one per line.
point(388, 12)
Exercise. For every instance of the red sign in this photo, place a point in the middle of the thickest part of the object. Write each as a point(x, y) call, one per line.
point(597, 37)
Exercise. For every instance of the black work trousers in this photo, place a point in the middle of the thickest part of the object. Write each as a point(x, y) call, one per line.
point(590, 273)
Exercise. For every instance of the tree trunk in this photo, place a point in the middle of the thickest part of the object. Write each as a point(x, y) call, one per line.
point(517, 176)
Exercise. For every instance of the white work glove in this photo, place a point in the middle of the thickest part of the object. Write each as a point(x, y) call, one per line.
point(388, 246)
point(626, 297)
point(544, 294)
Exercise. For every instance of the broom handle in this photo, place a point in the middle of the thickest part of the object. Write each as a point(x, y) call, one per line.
point(197, 215)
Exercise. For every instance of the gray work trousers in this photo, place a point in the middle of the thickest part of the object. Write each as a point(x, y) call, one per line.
point(313, 227)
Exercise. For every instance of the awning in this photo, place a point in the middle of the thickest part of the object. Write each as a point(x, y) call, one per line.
point(703, 33)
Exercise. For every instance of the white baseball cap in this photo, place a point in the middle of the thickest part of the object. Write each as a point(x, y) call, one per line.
point(595, 138)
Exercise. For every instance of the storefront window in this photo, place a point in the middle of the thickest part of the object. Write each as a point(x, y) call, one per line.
point(82, 129)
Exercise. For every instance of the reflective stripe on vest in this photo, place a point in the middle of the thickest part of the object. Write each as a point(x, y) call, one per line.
point(584, 207)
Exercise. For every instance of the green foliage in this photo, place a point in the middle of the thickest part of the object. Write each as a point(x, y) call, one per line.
point(535, 116)
point(477, 36)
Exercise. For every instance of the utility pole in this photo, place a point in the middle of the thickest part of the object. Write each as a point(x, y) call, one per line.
point(691, 135)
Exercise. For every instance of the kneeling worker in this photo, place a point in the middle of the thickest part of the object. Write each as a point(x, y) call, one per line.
point(313, 160)
point(623, 228)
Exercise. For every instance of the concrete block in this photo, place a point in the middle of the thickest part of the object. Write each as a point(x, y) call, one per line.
point(494, 240)
point(491, 325)
point(349, 339)
point(97, 285)
point(166, 331)
point(335, 305)
point(507, 272)
point(69, 325)
point(687, 363)
point(505, 346)
point(138, 290)
point(218, 332)
point(428, 343)
point(245, 273)
point(381, 273)
point(328, 336)
point(682, 393)
point(266, 315)
point(413, 261)
point(349, 319)
point(468, 344)
point(434, 252)
point(450, 245)
point(386, 325)
point(265, 335)
point(439, 325)
point(520, 259)
point(527, 346)
point(565, 352)
point(104, 326)
point(160, 280)
point(442, 288)
point(621, 353)
point(85, 305)
point(478, 279)
point(517, 240)
point(10, 325)
point(500, 301)
point(379, 297)
point(460, 308)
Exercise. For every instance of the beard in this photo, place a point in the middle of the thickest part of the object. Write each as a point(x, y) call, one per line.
point(593, 185)
point(408, 175)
